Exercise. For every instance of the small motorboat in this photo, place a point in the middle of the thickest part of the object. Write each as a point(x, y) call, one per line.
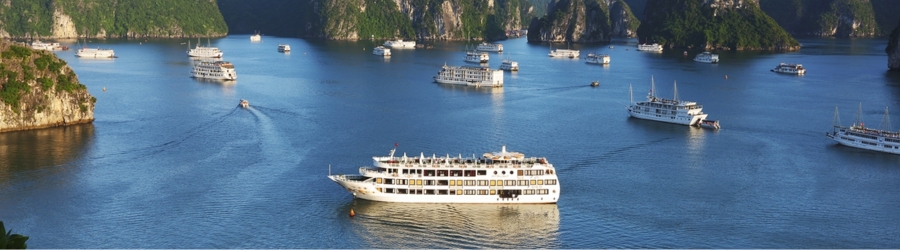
point(710, 124)
point(244, 104)
point(595, 84)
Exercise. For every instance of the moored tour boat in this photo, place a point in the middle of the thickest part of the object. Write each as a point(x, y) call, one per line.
point(477, 57)
point(470, 76)
point(595, 58)
point(95, 53)
point(256, 37)
point(381, 51)
point(789, 68)
point(707, 57)
point(862, 137)
point(570, 53)
point(671, 111)
point(509, 65)
point(284, 48)
point(650, 47)
point(218, 70)
point(37, 44)
point(204, 51)
point(498, 177)
point(495, 47)
point(400, 44)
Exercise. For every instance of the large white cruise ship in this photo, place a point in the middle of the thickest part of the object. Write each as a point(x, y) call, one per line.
point(95, 53)
point(862, 137)
point(204, 51)
point(37, 44)
point(496, 47)
point(498, 177)
point(790, 68)
point(671, 111)
point(400, 44)
point(218, 70)
point(470, 76)
point(381, 51)
point(569, 53)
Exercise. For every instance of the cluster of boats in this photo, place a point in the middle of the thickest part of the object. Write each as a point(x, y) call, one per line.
point(84, 51)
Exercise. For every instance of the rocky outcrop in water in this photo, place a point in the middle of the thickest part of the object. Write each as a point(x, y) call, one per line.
point(893, 49)
point(39, 90)
point(712, 25)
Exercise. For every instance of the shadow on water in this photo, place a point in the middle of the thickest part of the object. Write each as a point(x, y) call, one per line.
point(22, 150)
point(401, 225)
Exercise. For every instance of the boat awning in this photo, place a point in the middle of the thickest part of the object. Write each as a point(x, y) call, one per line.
point(504, 155)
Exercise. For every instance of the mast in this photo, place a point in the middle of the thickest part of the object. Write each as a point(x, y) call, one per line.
point(886, 121)
point(676, 91)
point(858, 117)
point(836, 122)
point(630, 93)
point(652, 87)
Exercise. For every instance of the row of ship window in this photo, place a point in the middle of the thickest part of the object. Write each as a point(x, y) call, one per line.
point(415, 182)
point(469, 173)
point(461, 192)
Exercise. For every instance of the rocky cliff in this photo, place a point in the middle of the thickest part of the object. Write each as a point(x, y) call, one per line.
point(379, 19)
point(711, 25)
point(893, 49)
point(827, 18)
point(39, 90)
point(583, 21)
point(110, 18)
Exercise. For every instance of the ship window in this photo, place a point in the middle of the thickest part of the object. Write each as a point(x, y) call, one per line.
point(499, 183)
point(510, 183)
point(418, 182)
point(459, 192)
point(551, 182)
point(540, 182)
point(470, 183)
point(493, 192)
point(442, 182)
point(401, 191)
point(389, 190)
point(378, 180)
point(429, 172)
point(482, 172)
point(442, 191)
point(529, 191)
point(493, 183)
point(495, 171)
point(459, 182)
point(533, 182)
point(523, 183)
point(482, 192)
point(504, 172)
point(429, 182)
point(429, 191)
point(405, 171)
point(483, 183)
point(452, 183)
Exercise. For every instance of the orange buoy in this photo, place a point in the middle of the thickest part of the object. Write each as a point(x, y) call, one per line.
point(352, 213)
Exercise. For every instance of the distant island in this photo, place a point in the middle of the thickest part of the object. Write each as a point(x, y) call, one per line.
point(583, 21)
point(39, 90)
point(834, 18)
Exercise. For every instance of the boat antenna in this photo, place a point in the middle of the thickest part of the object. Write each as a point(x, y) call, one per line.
point(652, 87)
point(886, 121)
point(329, 169)
point(836, 122)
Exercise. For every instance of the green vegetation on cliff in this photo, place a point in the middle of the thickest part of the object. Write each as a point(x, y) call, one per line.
point(840, 18)
point(583, 21)
point(21, 65)
point(691, 24)
point(157, 18)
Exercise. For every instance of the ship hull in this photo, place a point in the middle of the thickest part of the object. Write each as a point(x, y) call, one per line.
point(369, 191)
point(685, 120)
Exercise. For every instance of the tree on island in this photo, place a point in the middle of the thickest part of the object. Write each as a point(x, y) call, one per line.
point(10, 240)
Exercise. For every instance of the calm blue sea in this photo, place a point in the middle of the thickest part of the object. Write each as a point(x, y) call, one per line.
point(172, 162)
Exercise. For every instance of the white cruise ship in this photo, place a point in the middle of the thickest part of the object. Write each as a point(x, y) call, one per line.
point(204, 51)
point(650, 47)
point(256, 37)
point(95, 53)
point(862, 137)
point(400, 44)
point(595, 58)
point(218, 70)
point(381, 51)
point(37, 44)
point(284, 48)
point(495, 47)
point(789, 68)
point(470, 76)
point(569, 53)
point(477, 57)
point(498, 177)
point(671, 111)
point(509, 65)
point(707, 57)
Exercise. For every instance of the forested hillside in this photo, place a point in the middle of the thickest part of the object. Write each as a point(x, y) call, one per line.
point(708, 25)
point(110, 18)
point(838, 18)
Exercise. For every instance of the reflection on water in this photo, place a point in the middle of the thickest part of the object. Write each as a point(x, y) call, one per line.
point(22, 150)
point(403, 225)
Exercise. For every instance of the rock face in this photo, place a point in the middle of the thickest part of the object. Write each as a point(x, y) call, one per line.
point(825, 18)
point(712, 25)
point(380, 19)
point(39, 91)
point(583, 21)
point(893, 49)
point(33, 19)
